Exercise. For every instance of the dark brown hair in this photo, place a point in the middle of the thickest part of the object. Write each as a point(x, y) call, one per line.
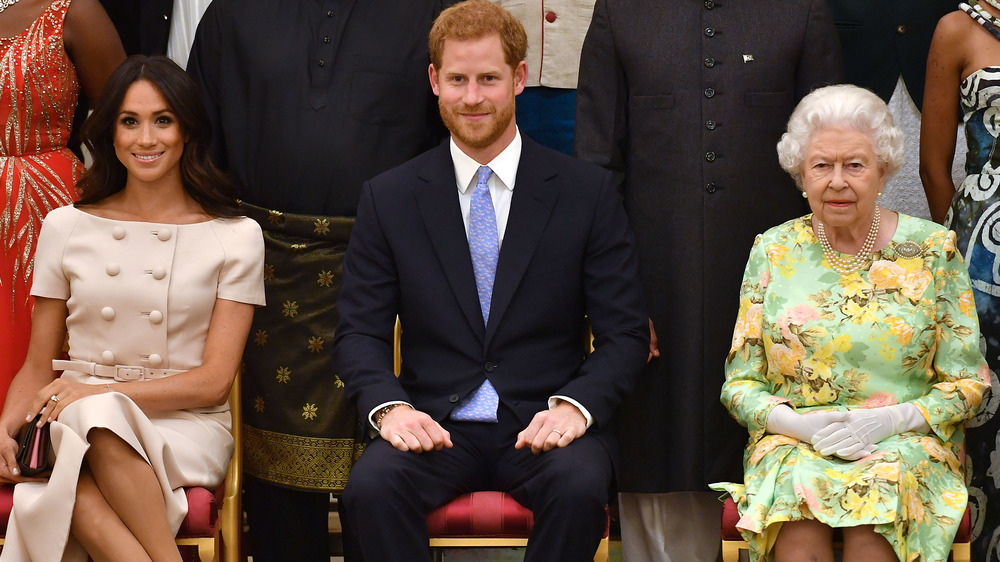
point(475, 19)
point(208, 186)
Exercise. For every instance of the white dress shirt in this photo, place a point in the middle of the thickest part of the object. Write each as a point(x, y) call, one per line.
point(501, 184)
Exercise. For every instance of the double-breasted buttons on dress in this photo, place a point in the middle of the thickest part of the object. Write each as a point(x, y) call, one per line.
point(113, 269)
point(108, 313)
point(155, 316)
point(710, 124)
point(155, 360)
point(118, 232)
point(158, 272)
point(709, 32)
point(550, 17)
point(710, 187)
point(454, 398)
point(710, 156)
point(164, 234)
point(108, 358)
point(709, 62)
point(709, 92)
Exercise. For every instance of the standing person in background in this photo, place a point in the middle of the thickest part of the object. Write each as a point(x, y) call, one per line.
point(885, 47)
point(556, 29)
point(308, 99)
point(49, 51)
point(963, 78)
point(687, 100)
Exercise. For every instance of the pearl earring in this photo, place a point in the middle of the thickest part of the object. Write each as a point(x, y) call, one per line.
point(880, 194)
point(805, 195)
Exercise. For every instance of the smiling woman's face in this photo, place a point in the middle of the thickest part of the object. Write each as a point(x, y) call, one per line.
point(842, 178)
point(148, 139)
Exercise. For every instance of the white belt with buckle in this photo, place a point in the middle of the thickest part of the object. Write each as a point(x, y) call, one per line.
point(120, 373)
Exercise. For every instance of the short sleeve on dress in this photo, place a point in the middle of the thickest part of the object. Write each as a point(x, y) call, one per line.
point(242, 275)
point(50, 280)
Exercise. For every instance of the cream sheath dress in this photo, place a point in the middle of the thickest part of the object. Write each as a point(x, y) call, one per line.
point(139, 295)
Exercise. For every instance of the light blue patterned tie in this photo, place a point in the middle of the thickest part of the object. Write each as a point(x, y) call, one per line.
point(484, 246)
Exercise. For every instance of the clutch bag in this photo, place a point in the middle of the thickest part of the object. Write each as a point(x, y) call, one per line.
point(33, 454)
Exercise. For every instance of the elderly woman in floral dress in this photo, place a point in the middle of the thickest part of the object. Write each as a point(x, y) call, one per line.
point(855, 359)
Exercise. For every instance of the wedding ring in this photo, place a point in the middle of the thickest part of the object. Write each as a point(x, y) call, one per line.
point(556, 431)
point(54, 398)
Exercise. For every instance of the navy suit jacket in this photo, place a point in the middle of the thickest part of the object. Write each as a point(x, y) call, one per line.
point(567, 253)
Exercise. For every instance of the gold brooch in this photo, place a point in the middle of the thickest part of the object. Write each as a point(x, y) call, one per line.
point(909, 249)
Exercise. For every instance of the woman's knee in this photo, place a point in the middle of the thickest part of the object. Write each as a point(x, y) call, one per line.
point(805, 540)
point(106, 445)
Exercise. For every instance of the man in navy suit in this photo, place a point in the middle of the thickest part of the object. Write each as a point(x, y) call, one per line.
point(492, 250)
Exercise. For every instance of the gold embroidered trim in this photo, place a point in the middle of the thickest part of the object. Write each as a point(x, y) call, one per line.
point(310, 463)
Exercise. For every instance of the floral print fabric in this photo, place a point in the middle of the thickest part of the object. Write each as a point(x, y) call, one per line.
point(902, 329)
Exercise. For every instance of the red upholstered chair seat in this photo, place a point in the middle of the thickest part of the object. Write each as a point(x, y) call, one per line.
point(203, 512)
point(483, 514)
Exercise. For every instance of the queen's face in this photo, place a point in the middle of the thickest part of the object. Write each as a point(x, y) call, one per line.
point(842, 178)
point(148, 139)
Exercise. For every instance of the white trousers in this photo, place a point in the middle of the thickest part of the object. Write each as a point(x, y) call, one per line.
point(672, 527)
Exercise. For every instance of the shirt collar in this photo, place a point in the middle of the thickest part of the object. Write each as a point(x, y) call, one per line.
point(504, 166)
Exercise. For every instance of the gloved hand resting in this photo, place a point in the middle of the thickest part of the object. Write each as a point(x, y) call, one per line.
point(865, 428)
point(785, 421)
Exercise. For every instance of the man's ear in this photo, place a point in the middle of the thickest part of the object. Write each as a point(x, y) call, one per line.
point(433, 76)
point(520, 77)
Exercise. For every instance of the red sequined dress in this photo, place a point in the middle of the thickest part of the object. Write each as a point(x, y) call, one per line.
point(38, 91)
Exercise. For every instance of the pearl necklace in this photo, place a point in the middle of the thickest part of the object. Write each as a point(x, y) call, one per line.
point(4, 4)
point(840, 265)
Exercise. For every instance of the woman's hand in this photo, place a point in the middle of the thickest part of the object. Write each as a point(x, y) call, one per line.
point(9, 471)
point(864, 428)
point(53, 397)
point(785, 421)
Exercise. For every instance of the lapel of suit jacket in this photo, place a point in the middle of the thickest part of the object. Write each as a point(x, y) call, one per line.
point(442, 216)
point(530, 207)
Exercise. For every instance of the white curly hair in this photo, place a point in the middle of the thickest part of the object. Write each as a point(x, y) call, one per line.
point(841, 106)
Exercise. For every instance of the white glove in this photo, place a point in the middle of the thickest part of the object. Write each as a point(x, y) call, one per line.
point(785, 421)
point(865, 428)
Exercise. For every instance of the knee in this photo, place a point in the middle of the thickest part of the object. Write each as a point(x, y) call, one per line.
point(584, 486)
point(374, 480)
point(89, 507)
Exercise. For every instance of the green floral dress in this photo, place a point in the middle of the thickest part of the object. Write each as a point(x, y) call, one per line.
point(903, 329)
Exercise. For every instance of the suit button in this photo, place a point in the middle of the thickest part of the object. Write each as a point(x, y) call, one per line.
point(118, 233)
point(710, 124)
point(709, 4)
point(329, 13)
point(490, 366)
point(454, 398)
point(155, 316)
point(710, 187)
point(709, 92)
point(550, 17)
point(709, 62)
point(155, 360)
point(108, 313)
point(108, 358)
point(158, 272)
point(901, 29)
point(113, 269)
point(321, 62)
point(164, 234)
point(710, 156)
point(709, 32)
point(326, 39)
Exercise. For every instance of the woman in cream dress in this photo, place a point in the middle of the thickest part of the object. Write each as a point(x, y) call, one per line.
point(155, 277)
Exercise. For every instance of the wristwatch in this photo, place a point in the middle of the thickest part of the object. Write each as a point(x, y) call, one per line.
point(385, 410)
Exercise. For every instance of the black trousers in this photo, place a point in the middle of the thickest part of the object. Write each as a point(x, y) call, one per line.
point(286, 524)
point(390, 491)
